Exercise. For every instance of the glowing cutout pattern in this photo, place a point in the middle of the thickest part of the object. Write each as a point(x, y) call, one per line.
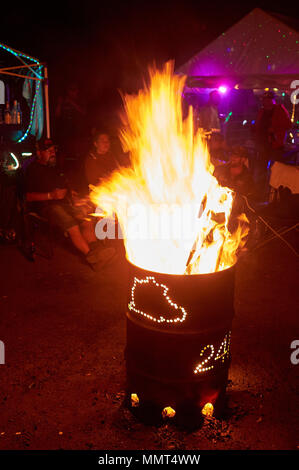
point(208, 410)
point(222, 354)
point(134, 400)
point(161, 319)
point(168, 412)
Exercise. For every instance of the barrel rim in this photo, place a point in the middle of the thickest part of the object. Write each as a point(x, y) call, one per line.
point(185, 276)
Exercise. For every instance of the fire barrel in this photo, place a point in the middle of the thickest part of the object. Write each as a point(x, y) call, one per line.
point(178, 342)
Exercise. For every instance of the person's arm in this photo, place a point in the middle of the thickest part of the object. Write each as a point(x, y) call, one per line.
point(30, 197)
point(57, 194)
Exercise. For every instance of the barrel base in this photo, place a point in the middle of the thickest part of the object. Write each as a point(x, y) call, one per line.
point(187, 398)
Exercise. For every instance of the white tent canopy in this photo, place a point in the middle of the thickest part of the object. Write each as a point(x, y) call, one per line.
point(259, 51)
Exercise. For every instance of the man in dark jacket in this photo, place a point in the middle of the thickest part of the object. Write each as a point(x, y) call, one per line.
point(47, 194)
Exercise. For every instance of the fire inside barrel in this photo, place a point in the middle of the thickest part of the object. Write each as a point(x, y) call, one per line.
point(175, 219)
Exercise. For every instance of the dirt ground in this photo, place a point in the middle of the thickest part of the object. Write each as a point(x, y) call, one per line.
point(62, 386)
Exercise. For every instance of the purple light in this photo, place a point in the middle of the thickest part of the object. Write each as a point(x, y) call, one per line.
point(222, 89)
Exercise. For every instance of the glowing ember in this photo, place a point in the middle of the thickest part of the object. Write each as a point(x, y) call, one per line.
point(172, 212)
point(134, 400)
point(168, 412)
point(208, 410)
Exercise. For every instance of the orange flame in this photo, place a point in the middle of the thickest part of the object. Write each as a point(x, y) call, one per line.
point(172, 211)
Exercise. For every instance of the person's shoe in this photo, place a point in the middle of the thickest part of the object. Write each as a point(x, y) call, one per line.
point(100, 258)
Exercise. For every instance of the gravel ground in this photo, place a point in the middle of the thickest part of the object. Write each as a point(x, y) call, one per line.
point(62, 386)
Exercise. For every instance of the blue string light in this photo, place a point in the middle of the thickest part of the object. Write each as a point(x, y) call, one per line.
point(32, 110)
point(40, 76)
point(18, 54)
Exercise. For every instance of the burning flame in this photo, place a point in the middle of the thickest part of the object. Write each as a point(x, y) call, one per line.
point(172, 211)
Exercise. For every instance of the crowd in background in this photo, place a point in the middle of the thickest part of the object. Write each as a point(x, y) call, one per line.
point(56, 183)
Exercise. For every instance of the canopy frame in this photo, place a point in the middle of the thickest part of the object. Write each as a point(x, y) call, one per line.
point(13, 71)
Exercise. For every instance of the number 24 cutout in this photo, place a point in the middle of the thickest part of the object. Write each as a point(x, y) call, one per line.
point(222, 353)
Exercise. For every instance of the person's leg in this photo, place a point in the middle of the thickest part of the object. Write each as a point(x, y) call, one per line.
point(88, 231)
point(78, 240)
point(97, 259)
point(87, 243)
point(59, 216)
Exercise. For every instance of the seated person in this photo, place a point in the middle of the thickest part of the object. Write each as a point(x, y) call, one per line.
point(47, 194)
point(235, 174)
point(101, 160)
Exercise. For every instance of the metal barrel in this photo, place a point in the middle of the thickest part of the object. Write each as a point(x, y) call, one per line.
point(178, 342)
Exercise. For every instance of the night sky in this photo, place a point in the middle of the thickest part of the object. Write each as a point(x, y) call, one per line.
point(108, 45)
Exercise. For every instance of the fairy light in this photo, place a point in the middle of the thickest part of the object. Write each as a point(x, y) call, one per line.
point(17, 164)
point(224, 346)
point(161, 319)
point(39, 74)
point(228, 117)
point(200, 367)
point(25, 135)
point(222, 354)
point(18, 54)
point(222, 89)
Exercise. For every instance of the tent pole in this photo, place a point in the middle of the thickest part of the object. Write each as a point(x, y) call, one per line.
point(20, 67)
point(47, 102)
point(293, 113)
point(18, 75)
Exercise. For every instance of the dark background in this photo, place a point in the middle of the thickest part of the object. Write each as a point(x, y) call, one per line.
point(64, 381)
point(107, 45)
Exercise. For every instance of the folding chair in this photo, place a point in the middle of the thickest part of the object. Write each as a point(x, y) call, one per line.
point(280, 217)
point(35, 233)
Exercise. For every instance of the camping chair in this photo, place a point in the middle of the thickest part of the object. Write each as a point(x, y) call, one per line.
point(35, 232)
point(278, 218)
